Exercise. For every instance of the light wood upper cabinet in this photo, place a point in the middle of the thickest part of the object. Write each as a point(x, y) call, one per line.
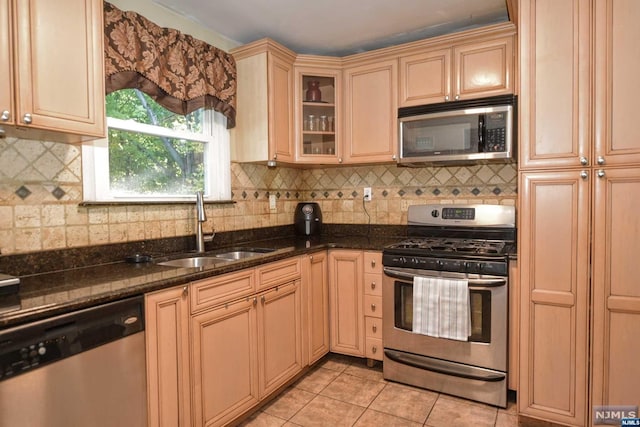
point(616, 295)
point(371, 109)
point(47, 95)
point(346, 302)
point(318, 123)
point(554, 243)
point(471, 70)
point(315, 282)
point(617, 59)
point(7, 108)
point(555, 84)
point(167, 350)
point(264, 126)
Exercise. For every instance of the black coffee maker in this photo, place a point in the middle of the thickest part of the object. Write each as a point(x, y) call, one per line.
point(307, 219)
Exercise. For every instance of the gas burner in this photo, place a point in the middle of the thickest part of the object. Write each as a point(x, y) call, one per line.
point(468, 246)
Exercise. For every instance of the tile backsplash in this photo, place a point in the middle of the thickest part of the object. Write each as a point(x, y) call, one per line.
point(41, 189)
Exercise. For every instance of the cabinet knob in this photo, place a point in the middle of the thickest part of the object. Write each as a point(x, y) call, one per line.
point(374, 328)
point(311, 257)
point(446, 97)
point(373, 307)
point(584, 161)
point(373, 285)
point(6, 115)
point(27, 119)
point(457, 97)
point(394, 157)
point(262, 299)
point(185, 291)
point(601, 173)
point(373, 263)
point(584, 174)
point(600, 160)
point(255, 301)
point(374, 349)
point(339, 159)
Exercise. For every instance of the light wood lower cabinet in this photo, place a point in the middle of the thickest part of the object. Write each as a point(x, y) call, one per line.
point(373, 304)
point(345, 302)
point(167, 349)
point(225, 363)
point(315, 282)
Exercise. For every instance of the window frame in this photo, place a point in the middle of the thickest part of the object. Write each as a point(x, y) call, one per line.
point(217, 170)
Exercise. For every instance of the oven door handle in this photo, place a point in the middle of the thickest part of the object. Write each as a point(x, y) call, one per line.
point(489, 283)
point(443, 367)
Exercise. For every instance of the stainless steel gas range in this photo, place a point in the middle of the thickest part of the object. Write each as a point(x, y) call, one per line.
point(445, 301)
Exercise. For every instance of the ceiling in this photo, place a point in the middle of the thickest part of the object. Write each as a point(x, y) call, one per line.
point(338, 27)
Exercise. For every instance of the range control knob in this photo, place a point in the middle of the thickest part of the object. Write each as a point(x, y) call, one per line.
point(435, 213)
point(439, 264)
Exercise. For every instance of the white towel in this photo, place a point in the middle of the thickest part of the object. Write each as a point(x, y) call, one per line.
point(426, 301)
point(455, 312)
point(441, 308)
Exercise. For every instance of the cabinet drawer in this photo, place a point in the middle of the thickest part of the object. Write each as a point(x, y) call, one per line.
point(373, 262)
point(373, 327)
point(373, 306)
point(373, 284)
point(279, 272)
point(210, 292)
point(373, 348)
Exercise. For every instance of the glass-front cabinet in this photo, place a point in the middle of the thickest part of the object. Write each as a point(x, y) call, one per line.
point(317, 115)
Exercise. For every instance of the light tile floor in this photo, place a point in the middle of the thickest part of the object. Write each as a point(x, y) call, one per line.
point(343, 391)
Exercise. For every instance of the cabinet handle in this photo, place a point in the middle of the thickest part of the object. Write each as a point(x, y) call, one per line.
point(446, 97)
point(6, 115)
point(255, 301)
point(394, 157)
point(457, 97)
point(373, 285)
point(584, 161)
point(601, 173)
point(185, 291)
point(373, 263)
point(262, 299)
point(27, 118)
point(340, 160)
point(374, 349)
point(373, 307)
point(584, 174)
point(600, 160)
point(374, 328)
point(311, 257)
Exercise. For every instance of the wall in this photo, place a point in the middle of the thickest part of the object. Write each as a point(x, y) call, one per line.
point(41, 188)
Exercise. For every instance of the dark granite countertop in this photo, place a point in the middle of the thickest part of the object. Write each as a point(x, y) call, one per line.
point(48, 294)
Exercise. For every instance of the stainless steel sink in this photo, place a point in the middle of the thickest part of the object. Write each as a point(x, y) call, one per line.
point(235, 255)
point(192, 262)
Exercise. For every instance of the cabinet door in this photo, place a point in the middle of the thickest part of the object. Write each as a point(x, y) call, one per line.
point(370, 113)
point(483, 69)
point(167, 346)
point(280, 109)
point(60, 91)
point(279, 336)
point(555, 83)
point(616, 295)
point(346, 302)
point(6, 71)
point(553, 259)
point(315, 281)
point(225, 365)
point(425, 78)
point(617, 59)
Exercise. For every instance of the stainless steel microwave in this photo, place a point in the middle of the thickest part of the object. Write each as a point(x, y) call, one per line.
point(458, 132)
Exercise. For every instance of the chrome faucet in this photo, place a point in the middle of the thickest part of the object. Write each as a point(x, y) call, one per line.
point(201, 217)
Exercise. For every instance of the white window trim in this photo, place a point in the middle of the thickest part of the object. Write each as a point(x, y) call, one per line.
point(95, 162)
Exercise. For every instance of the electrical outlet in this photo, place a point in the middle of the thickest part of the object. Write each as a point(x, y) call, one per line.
point(272, 202)
point(367, 194)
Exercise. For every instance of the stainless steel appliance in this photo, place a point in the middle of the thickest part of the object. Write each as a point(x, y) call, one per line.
point(471, 243)
point(458, 132)
point(307, 219)
point(85, 368)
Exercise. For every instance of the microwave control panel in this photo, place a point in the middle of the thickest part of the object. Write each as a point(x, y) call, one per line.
point(495, 132)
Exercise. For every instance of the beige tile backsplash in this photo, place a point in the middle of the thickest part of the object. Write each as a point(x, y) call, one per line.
point(41, 187)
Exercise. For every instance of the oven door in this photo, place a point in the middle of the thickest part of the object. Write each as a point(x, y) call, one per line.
point(487, 345)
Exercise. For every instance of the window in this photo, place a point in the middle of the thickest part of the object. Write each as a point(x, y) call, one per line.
point(152, 154)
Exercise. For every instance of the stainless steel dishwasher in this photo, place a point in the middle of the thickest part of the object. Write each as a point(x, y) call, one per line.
point(85, 368)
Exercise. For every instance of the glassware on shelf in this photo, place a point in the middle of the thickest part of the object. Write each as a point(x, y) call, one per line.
point(313, 123)
point(331, 124)
point(313, 92)
point(324, 124)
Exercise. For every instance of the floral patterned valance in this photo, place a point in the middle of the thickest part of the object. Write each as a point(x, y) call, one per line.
point(180, 72)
